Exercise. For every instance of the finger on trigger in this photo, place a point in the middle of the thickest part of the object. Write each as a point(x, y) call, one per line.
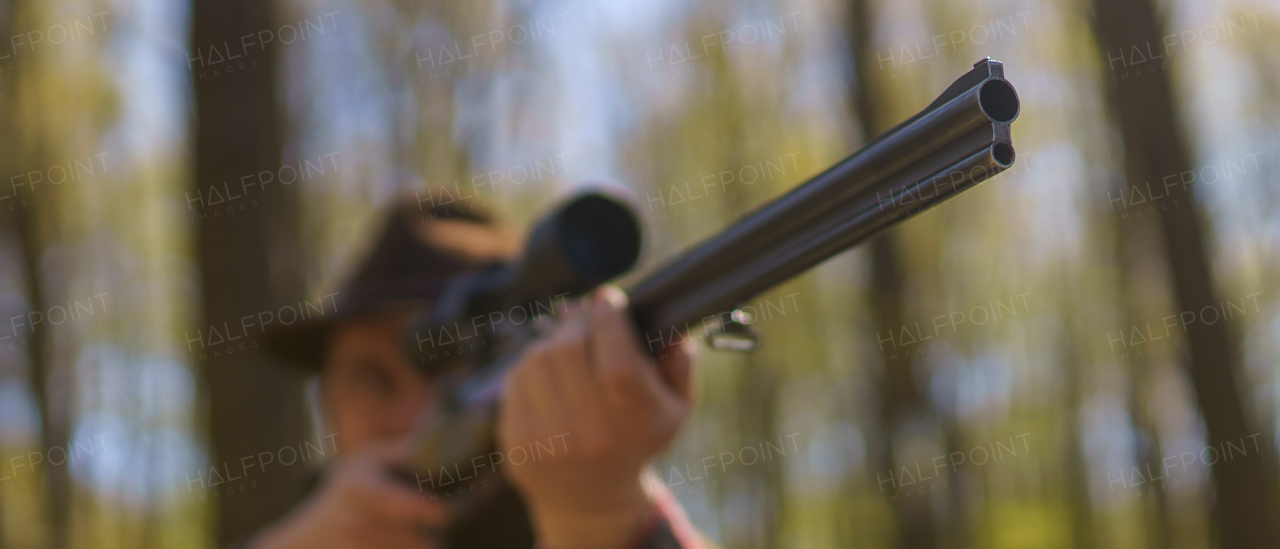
point(387, 452)
point(397, 503)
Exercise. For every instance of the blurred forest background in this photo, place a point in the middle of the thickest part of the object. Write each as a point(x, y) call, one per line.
point(1081, 352)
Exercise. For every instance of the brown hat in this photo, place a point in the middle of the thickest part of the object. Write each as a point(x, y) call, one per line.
point(420, 248)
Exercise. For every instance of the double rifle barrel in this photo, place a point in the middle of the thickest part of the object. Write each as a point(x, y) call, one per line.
point(961, 139)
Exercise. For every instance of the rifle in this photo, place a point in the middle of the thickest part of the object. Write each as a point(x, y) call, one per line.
point(958, 141)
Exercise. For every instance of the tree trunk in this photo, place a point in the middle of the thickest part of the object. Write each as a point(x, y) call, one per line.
point(54, 420)
point(1079, 508)
point(1142, 105)
point(54, 429)
point(248, 259)
point(901, 402)
point(1130, 243)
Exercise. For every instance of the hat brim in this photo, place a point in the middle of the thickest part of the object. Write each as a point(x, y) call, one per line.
point(303, 345)
point(412, 262)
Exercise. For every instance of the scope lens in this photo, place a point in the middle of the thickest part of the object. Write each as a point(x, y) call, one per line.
point(601, 237)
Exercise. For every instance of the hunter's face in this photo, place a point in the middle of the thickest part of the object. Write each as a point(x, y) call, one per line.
point(371, 391)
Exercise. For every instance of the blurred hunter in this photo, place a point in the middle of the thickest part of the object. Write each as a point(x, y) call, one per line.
point(581, 415)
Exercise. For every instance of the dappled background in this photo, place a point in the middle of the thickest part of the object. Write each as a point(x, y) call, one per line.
point(1081, 352)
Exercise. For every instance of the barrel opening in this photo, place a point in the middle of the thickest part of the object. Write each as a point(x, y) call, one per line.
point(999, 100)
point(1003, 153)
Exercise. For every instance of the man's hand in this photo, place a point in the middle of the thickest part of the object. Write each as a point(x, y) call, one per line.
point(359, 506)
point(590, 385)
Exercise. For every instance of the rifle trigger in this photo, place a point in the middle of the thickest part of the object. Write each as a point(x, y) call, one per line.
point(735, 335)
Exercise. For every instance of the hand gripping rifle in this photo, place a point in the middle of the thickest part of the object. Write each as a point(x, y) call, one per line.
point(487, 316)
